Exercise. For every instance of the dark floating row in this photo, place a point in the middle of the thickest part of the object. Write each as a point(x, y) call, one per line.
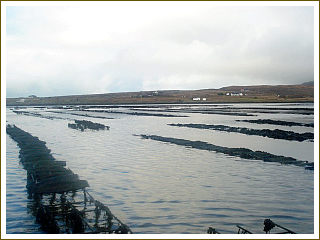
point(244, 153)
point(83, 125)
point(61, 204)
point(235, 111)
point(79, 114)
point(274, 110)
point(136, 113)
point(99, 111)
point(218, 112)
point(278, 122)
point(79, 124)
point(276, 134)
point(34, 114)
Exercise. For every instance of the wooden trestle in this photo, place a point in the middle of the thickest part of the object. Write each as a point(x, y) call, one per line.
point(61, 202)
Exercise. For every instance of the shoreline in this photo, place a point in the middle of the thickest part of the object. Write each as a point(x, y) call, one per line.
point(232, 94)
point(10, 104)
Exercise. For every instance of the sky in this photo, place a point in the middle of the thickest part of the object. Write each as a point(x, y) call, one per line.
point(71, 48)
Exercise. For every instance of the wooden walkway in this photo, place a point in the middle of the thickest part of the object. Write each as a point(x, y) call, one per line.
point(61, 202)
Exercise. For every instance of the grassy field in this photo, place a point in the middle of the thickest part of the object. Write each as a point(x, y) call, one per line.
point(231, 94)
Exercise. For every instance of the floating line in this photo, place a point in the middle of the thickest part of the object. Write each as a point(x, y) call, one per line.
point(244, 153)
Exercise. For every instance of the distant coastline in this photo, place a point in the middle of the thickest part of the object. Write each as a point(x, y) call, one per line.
point(231, 94)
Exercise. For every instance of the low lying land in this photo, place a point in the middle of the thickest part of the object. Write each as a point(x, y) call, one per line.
point(232, 94)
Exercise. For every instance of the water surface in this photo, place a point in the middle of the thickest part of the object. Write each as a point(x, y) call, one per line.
point(161, 188)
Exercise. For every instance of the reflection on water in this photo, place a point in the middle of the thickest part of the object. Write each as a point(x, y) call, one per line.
point(160, 188)
point(18, 208)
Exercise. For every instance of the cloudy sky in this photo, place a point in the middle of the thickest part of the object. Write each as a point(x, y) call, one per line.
point(60, 48)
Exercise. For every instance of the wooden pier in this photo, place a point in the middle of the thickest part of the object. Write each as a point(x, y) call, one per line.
point(61, 202)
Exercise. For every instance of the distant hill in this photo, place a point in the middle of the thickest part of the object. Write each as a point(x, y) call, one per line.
point(290, 91)
point(231, 94)
point(311, 83)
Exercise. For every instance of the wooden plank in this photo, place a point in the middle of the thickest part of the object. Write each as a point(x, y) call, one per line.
point(44, 162)
point(61, 187)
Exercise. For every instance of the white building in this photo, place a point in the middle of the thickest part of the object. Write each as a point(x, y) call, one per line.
point(236, 94)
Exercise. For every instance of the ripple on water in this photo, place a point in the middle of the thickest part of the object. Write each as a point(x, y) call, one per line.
point(157, 188)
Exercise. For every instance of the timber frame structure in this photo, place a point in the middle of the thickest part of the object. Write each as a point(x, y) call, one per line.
point(61, 203)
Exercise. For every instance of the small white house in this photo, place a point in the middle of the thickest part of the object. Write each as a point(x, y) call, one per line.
point(236, 94)
point(204, 99)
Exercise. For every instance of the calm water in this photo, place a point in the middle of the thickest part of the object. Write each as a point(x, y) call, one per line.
point(161, 188)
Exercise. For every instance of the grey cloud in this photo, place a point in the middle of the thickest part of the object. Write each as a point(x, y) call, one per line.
point(199, 48)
